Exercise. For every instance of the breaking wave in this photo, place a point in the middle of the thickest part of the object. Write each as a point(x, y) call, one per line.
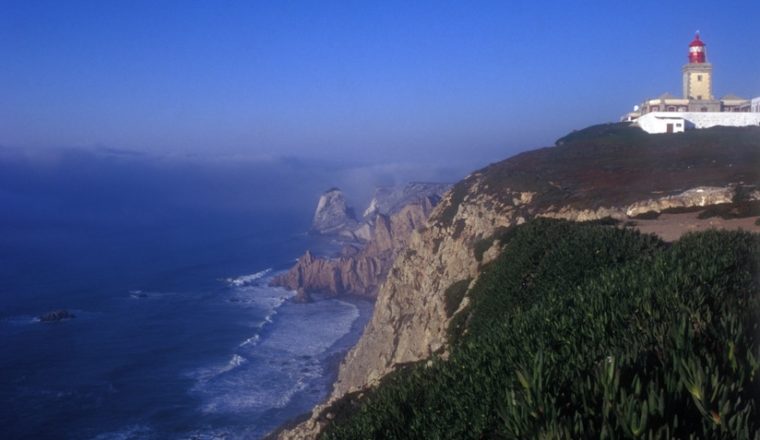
point(245, 280)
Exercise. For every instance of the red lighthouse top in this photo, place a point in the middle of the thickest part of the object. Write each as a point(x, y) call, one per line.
point(696, 51)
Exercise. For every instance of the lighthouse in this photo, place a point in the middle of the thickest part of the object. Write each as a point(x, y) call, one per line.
point(697, 73)
point(698, 108)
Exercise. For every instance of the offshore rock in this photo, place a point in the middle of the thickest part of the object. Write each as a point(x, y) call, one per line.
point(56, 315)
point(333, 215)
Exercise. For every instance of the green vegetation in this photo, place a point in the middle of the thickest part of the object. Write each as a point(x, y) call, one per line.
point(454, 295)
point(458, 193)
point(584, 331)
point(743, 193)
point(604, 221)
point(728, 211)
point(480, 247)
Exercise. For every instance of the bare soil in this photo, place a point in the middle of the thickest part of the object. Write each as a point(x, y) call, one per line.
point(670, 227)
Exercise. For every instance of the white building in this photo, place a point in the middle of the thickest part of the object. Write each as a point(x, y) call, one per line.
point(662, 122)
point(676, 122)
point(755, 107)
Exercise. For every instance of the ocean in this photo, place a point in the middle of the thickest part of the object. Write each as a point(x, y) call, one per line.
point(176, 333)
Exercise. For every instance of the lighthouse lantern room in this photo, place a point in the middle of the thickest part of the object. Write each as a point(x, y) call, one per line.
point(696, 51)
point(697, 74)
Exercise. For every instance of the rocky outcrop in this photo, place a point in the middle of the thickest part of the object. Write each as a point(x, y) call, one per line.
point(388, 200)
point(603, 171)
point(358, 272)
point(333, 215)
point(56, 315)
point(695, 197)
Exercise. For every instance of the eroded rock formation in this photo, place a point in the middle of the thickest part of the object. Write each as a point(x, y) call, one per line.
point(359, 272)
point(333, 215)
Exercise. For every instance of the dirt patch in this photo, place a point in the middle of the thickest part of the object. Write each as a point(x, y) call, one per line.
point(671, 227)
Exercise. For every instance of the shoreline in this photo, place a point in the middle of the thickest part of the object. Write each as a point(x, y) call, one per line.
point(332, 362)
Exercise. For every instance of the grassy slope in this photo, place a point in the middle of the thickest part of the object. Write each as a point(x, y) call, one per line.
point(586, 331)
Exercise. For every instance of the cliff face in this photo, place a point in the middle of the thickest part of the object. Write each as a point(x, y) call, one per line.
point(362, 272)
point(333, 215)
point(387, 200)
point(599, 172)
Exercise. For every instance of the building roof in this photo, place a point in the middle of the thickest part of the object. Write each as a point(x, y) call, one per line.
point(732, 97)
point(667, 95)
point(696, 41)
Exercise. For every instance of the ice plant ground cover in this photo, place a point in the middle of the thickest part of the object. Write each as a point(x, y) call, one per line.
point(587, 331)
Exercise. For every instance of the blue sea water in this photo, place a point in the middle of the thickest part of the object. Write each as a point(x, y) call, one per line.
point(176, 333)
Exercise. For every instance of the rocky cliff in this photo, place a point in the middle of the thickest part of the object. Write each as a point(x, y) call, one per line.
point(360, 270)
point(390, 199)
point(604, 171)
point(333, 215)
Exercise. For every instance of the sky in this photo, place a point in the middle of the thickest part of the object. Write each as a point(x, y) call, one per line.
point(361, 81)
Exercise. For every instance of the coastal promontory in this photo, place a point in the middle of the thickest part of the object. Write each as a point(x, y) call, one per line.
point(615, 175)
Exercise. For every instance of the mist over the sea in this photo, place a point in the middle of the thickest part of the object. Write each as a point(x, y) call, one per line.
point(66, 210)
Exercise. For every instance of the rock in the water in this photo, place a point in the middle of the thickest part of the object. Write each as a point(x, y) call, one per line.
point(333, 215)
point(56, 315)
point(302, 296)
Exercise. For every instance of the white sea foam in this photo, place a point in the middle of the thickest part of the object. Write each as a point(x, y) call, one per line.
point(235, 362)
point(316, 328)
point(20, 320)
point(245, 280)
point(215, 434)
point(266, 298)
point(131, 432)
point(206, 374)
point(259, 389)
point(252, 341)
point(283, 362)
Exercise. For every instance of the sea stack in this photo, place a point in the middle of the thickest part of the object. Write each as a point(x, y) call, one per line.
point(333, 215)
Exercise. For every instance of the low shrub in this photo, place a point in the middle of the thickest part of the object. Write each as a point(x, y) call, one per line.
point(728, 211)
point(454, 294)
point(480, 247)
point(582, 331)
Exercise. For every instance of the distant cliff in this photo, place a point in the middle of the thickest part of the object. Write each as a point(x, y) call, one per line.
point(393, 215)
point(604, 171)
point(333, 215)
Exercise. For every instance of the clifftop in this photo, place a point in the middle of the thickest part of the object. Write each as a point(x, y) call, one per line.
point(614, 165)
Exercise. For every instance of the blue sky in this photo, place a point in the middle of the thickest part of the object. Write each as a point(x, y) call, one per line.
point(361, 81)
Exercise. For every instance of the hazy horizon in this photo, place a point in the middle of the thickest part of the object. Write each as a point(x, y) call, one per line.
point(360, 83)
